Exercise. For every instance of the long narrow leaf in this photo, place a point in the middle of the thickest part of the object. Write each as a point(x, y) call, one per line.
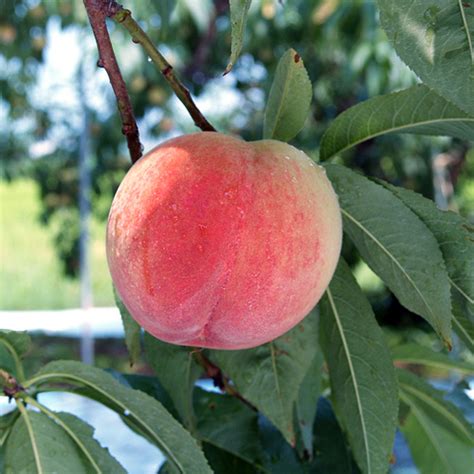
point(439, 437)
point(455, 238)
point(415, 110)
point(363, 382)
point(146, 413)
point(238, 19)
point(415, 354)
point(397, 245)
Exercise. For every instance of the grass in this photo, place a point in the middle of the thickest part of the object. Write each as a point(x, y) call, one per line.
point(30, 273)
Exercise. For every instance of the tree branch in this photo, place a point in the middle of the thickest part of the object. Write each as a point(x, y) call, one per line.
point(97, 11)
point(219, 379)
point(124, 17)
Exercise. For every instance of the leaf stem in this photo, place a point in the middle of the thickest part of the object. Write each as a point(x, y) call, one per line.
point(124, 17)
point(97, 11)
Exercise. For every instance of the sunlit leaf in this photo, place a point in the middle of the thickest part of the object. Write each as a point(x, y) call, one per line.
point(289, 100)
point(238, 19)
point(436, 40)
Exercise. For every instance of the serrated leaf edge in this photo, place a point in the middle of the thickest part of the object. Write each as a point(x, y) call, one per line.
point(66, 428)
point(68, 376)
point(397, 263)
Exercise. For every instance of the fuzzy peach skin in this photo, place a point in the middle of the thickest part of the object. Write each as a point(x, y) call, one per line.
point(220, 243)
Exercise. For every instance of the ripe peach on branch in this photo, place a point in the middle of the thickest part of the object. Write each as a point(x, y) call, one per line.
point(220, 243)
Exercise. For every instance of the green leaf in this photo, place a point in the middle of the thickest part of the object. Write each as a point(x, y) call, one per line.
point(332, 455)
point(177, 371)
point(415, 110)
point(38, 445)
point(363, 382)
point(463, 319)
point(415, 354)
point(131, 328)
point(269, 376)
point(238, 19)
point(279, 457)
point(289, 100)
point(306, 403)
point(165, 9)
point(228, 424)
point(456, 241)
point(396, 245)
point(14, 345)
point(20, 341)
point(6, 423)
point(149, 385)
point(440, 439)
point(141, 410)
point(436, 40)
point(85, 433)
point(223, 461)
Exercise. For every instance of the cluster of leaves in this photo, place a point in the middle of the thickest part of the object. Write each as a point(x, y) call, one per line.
point(424, 255)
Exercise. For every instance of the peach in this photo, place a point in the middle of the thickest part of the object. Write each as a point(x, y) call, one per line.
point(215, 242)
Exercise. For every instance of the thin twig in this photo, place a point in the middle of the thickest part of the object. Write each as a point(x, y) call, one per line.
point(97, 11)
point(124, 17)
point(219, 379)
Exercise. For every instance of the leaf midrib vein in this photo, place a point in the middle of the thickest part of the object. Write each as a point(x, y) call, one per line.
point(400, 127)
point(354, 380)
point(31, 434)
point(436, 406)
point(168, 451)
point(425, 426)
point(392, 257)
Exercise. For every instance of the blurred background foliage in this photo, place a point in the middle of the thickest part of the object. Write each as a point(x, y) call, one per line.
point(49, 80)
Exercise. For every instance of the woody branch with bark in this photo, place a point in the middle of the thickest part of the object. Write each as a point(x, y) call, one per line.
point(98, 11)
